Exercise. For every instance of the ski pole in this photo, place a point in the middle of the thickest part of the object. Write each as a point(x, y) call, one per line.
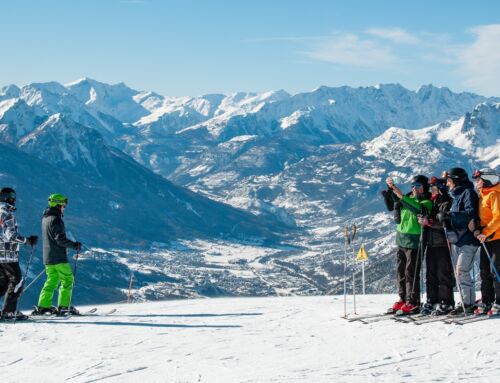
point(130, 287)
point(491, 261)
point(346, 240)
point(353, 267)
point(74, 279)
point(418, 261)
point(33, 281)
point(30, 259)
point(450, 247)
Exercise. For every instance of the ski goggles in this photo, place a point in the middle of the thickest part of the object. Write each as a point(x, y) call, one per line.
point(477, 174)
point(8, 196)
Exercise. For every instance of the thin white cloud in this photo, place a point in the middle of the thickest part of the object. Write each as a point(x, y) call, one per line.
point(285, 39)
point(350, 49)
point(479, 63)
point(396, 35)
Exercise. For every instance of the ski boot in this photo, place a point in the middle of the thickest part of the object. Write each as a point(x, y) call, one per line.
point(495, 310)
point(63, 311)
point(482, 308)
point(395, 307)
point(459, 310)
point(48, 311)
point(442, 309)
point(14, 316)
point(428, 308)
point(408, 309)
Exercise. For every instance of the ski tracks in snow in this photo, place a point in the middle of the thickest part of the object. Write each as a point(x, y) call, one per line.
point(252, 340)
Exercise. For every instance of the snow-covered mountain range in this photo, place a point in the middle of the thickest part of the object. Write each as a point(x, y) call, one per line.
point(296, 170)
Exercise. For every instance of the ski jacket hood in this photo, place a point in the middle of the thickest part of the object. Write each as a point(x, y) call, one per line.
point(489, 211)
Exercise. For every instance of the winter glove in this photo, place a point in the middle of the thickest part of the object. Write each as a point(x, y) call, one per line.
point(444, 217)
point(78, 246)
point(388, 200)
point(32, 240)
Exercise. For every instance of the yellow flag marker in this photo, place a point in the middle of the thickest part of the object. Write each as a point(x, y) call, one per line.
point(362, 256)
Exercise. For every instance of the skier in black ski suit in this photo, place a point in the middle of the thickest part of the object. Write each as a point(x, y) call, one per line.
point(11, 280)
point(439, 271)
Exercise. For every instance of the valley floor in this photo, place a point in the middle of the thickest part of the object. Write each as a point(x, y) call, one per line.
point(292, 339)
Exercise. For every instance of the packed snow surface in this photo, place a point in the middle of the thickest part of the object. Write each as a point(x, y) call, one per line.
point(292, 339)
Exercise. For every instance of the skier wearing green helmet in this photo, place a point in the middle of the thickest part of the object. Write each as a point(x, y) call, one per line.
point(55, 259)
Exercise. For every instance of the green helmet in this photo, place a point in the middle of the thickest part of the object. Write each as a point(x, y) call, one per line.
point(57, 200)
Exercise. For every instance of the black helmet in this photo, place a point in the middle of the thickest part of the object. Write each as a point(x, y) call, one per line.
point(440, 183)
point(458, 175)
point(420, 180)
point(8, 195)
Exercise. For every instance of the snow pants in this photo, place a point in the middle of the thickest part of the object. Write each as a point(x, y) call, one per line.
point(490, 287)
point(11, 285)
point(463, 259)
point(59, 274)
point(408, 265)
point(439, 276)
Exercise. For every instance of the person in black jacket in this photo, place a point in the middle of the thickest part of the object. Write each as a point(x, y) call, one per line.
point(439, 271)
point(464, 211)
point(11, 279)
point(55, 259)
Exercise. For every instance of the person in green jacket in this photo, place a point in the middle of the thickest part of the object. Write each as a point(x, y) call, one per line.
point(55, 259)
point(409, 241)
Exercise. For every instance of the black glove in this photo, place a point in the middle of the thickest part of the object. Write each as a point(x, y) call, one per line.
point(388, 200)
point(444, 217)
point(78, 246)
point(32, 240)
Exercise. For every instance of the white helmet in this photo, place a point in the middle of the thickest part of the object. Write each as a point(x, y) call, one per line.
point(489, 176)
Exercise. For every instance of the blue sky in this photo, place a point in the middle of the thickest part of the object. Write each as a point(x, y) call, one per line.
point(195, 47)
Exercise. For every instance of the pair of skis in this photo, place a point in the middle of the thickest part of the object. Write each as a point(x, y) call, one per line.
point(89, 313)
point(419, 319)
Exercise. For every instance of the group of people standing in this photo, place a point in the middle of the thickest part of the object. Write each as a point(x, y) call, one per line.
point(446, 222)
point(442, 220)
point(57, 267)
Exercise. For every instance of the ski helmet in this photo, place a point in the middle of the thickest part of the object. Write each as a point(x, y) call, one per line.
point(8, 195)
point(489, 176)
point(57, 200)
point(458, 175)
point(440, 183)
point(420, 180)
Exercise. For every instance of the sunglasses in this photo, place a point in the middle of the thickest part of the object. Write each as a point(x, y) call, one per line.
point(416, 185)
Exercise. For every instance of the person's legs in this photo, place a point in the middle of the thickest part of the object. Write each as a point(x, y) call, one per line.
point(495, 254)
point(412, 274)
point(15, 286)
point(431, 275)
point(487, 290)
point(465, 261)
point(401, 273)
point(47, 293)
point(66, 276)
point(445, 276)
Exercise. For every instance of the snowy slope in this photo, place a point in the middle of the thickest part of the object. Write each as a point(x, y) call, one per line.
point(247, 340)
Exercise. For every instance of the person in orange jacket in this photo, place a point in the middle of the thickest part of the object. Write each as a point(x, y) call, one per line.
point(488, 185)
